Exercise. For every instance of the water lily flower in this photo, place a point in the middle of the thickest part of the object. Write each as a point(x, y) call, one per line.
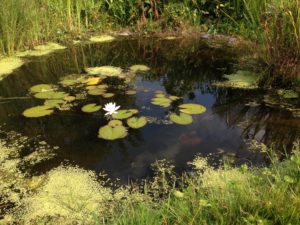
point(111, 108)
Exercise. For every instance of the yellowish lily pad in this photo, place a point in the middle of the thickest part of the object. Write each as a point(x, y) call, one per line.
point(112, 133)
point(124, 114)
point(38, 111)
point(108, 95)
point(109, 71)
point(51, 95)
point(90, 108)
point(41, 88)
point(137, 122)
point(162, 101)
point(192, 108)
point(115, 123)
point(141, 68)
point(182, 118)
point(131, 92)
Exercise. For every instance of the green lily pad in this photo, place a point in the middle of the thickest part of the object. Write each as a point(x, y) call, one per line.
point(141, 68)
point(51, 95)
point(96, 91)
point(288, 94)
point(192, 108)
point(164, 102)
point(160, 95)
point(102, 38)
point(109, 71)
point(41, 88)
point(70, 98)
point(115, 123)
point(182, 118)
point(131, 92)
point(124, 114)
point(53, 102)
point(173, 98)
point(137, 122)
point(108, 95)
point(112, 133)
point(92, 81)
point(38, 111)
point(68, 82)
point(90, 108)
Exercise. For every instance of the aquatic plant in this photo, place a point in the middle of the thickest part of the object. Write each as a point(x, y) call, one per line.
point(191, 108)
point(130, 92)
point(41, 88)
point(41, 50)
point(90, 108)
point(8, 65)
point(92, 81)
point(102, 38)
point(38, 111)
point(109, 71)
point(111, 109)
point(124, 113)
point(182, 118)
point(141, 68)
point(288, 94)
point(112, 131)
point(53, 102)
point(137, 122)
point(51, 95)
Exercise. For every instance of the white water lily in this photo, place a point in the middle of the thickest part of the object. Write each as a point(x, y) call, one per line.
point(111, 108)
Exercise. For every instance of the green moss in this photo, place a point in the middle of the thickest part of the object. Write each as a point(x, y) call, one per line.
point(8, 65)
point(41, 50)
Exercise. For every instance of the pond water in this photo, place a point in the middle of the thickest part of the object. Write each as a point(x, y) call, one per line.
point(183, 68)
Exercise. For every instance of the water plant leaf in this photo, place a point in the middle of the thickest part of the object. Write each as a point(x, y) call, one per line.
point(108, 95)
point(96, 91)
point(137, 122)
point(102, 38)
point(68, 82)
point(38, 111)
point(109, 71)
point(41, 88)
point(174, 98)
point(164, 102)
point(53, 102)
point(8, 65)
point(141, 68)
point(90, 108)
point(112, 133)
point(192, 108)
point(131, 92)
point(124, 114)
point(69, 98)
point(160, 95)
point(115, 123)
point(92, 81)
point(51, 95)
point(182, 118)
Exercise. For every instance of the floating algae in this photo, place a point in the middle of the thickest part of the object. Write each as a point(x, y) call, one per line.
point(8, 65)
point(41, 50)
point(102, 38)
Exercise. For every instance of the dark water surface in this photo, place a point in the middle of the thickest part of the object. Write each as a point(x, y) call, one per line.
point(185, 68)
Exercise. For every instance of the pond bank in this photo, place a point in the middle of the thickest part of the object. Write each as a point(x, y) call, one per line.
point(71, 195)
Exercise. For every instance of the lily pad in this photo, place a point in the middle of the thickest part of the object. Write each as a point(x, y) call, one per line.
point(174, 98)
point(90, 108)
point(137, 122)
point(141, 68)
point(38, 111)
point(108, 95)
point(96, 91)
point(182, 118)
point(68, 82)
point(192, 108)
point(92, 81)
point(70, 98)
point(109, 71)
point(115, 123)
point(8, 65)
point(50, 95)
point(160, 95)
point(102, 38)
point(131, 92)
point(53, 102)
point(124, 114)
point(164, 102)
point(41, 88)
point(112, 133)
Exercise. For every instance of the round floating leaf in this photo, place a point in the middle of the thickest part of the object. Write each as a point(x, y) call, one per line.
point(109, 71)
point(124, 113)
point(141, 68)
point(53, 102)
point(160, 95)
point(108, 95)
point(131, 92)
point(288, 94)
point(191, 108)
point(115, 123)
point(112, 133)
point(96, 91)
point(92, 81)
point(50, 95)
point(102, 38)
point(164, 102)
point(41, 88)
point(158, 92)
point(68, 82)
point(173, 98)
point(102, 86)
point(137, 122)
point(70, 98)
point(38, 111)
point(90, 108)
point(182, 119)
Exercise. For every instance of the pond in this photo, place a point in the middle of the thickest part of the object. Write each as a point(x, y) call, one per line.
point(187, 69)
